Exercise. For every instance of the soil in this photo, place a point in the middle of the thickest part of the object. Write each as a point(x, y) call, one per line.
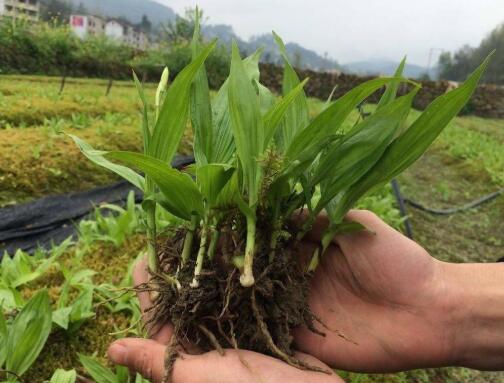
point(220, 313)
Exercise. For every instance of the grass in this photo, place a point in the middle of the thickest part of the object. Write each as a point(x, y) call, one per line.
point(466, 162)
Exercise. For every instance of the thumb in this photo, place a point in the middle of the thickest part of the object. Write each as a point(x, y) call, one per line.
point(144, 356)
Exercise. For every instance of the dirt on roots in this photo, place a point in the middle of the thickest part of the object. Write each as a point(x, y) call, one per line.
point(220, 313)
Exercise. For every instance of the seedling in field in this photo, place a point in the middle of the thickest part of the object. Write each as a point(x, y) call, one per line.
point(229, 276)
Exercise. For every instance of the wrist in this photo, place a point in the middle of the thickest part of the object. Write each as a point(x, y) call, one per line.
point(473, 308)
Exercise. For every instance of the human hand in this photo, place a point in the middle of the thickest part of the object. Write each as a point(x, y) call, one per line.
point(146, 356)
point(385, 294)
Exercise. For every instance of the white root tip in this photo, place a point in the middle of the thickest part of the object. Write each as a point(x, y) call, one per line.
point(247, 280)
point(194, 284)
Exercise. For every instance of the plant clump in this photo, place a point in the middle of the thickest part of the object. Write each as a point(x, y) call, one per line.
point(229, 275)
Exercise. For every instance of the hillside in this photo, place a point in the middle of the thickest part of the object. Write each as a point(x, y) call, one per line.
point(133, 10)
point(386, 67)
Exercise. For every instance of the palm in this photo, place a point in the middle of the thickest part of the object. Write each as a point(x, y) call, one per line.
point(376, 290)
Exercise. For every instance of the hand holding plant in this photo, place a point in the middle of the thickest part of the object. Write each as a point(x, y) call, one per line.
point(258, 160)
point(417, 305)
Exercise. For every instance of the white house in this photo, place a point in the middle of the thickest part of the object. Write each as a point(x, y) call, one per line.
point(27, 9)
point(115, 30)
point(85, 25)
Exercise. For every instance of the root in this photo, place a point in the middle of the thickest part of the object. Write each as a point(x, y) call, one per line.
point(170, 357)
point(337, 332)
point(291, 361)
point(212, 339)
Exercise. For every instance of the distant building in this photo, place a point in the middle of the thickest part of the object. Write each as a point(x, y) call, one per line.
point(26, 9)
point(86, 25)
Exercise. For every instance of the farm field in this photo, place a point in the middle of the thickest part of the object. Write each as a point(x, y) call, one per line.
point(466, 162)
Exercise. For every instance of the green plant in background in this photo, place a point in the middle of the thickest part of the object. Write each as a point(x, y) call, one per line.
point(62, 376)
point(22, 340)
point(103, 374)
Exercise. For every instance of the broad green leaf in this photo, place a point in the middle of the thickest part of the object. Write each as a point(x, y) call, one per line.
point(10, 298)
point(122, 374)
point(277, 113)
point(201, 110)
point(146, 133)
point(297, 116)
point(98, 372)
point(347, 162)
point(173, 116)
point(266, 98)
point(181, 195)
point(391, 91)
point(140, 379)
point(212, 179)
point(330, 120)
point(246, 124)
point(223, 142)
point(98, 158)
point(28, 333)
point(408, 147)
point(61, 317)
point(62, 376)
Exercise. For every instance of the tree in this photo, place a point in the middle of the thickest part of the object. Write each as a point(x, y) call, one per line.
point(182, 29)
point(459, 65)
point(145, 25)
point(58, 11)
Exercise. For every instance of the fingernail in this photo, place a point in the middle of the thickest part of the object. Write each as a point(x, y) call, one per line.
point(117, 353)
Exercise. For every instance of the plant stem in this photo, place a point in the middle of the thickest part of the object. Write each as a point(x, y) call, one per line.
point(215, 234)
point(247, 278)
point(188, 241)
point(326, 240)
point(201, 256)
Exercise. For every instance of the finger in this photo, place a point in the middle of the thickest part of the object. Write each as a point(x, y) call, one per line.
point(246, 367)
point(147, 358)
point(379, 232)
point(141, 355)
point(161, 332)
point(141, 276)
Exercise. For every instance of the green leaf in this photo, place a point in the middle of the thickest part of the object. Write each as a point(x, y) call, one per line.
point(98, 372)
point(246, 124)
point(98, 158)
point(408, 147)
point(173, 116)
point(266, 98)
point(349, 227)
point(28, 333)
point(298, 115)
point(201, 110)
point(391, 91)
point(181, 196)
point(330, 120)
point(347, 162)
point(146, 134)
point(212, 179)
point(61, 317)
point(62, 376)
point(223, 142)
point(277, 113)
point(122, 374)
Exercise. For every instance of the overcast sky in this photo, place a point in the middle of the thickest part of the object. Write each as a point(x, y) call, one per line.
point(355, 30)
